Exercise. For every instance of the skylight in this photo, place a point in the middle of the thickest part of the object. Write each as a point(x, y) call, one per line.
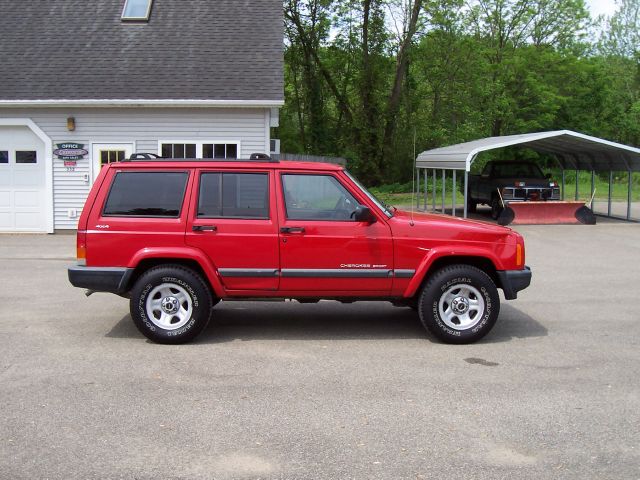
point(137, 10)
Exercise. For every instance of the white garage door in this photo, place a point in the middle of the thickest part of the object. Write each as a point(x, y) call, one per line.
point(22, 181)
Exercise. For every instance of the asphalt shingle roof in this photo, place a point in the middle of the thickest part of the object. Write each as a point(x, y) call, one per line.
point(189, 49)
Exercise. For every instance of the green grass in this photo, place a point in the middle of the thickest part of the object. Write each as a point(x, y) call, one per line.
point(618, 192)
point(400, 193)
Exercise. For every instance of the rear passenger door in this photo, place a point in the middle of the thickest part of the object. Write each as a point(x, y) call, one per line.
point(232, 219)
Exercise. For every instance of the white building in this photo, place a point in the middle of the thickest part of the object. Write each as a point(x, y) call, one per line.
point(86, 83)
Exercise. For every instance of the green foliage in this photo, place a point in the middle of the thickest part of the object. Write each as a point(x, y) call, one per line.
point(365, 83)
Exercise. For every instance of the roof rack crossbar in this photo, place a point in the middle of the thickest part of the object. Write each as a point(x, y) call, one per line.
point(254, 158)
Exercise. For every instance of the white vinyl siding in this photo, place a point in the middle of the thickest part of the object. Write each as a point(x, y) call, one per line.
point(146, 129)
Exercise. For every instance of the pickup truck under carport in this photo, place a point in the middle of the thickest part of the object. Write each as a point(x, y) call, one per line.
point(516, 181)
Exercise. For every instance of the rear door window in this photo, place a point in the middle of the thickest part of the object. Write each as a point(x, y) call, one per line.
point(146, 194)
point(234, 195)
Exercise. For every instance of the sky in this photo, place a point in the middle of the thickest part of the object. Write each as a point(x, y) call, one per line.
point(601, 7)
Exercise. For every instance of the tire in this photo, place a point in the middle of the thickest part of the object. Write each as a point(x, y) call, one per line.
point(475, 296)
point(170, 304)
point(496, 208)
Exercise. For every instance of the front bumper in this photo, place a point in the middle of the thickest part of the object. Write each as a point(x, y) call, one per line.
point(101, 279)
point(512, 281)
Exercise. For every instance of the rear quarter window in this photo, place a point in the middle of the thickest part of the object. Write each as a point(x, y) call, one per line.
point(146, 194)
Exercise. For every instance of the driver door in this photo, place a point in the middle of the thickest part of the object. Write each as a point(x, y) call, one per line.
point(322, 247)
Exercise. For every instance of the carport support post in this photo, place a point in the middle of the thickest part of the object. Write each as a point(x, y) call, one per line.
point(466, 190)
point(593, 188)
point(426, 188)
point(610, 188)
point(433, 197)
point(563, 182)
point(417, 188)
point(444, 179)
point(577, 180)
point(453, 195)
point(629, 187)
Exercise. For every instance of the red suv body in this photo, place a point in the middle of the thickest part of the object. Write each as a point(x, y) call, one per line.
point(177, 236)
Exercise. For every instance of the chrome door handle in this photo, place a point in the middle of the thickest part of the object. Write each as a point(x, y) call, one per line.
point(202, 228)
point(291, 229)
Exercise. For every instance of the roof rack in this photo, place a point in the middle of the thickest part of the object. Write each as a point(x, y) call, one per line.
point(144, 157)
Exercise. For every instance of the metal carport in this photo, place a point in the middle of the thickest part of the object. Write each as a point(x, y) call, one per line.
point(573, 151)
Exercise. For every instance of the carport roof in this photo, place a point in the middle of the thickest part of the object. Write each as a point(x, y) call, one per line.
point(573, 150)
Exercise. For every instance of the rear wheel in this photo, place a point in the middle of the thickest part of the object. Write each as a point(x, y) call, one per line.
point(459, 304)
point(170, 304)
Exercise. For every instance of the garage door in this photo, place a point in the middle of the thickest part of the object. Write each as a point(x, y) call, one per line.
point(22, 181)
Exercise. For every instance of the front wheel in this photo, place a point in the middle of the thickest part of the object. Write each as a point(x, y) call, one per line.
point(170, 304)
point(459, 304)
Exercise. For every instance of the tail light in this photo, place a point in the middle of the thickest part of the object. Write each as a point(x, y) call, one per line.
point(81, 247)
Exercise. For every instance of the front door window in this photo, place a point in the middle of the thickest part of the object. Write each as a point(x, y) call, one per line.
point(317, 197)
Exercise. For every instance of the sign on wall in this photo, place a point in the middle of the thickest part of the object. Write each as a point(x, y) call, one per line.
point(70, 151)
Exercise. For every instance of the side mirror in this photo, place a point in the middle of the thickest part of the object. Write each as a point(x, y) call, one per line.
point(364, 214)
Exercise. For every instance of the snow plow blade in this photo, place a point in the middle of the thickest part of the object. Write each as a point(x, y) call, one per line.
point(546, 213)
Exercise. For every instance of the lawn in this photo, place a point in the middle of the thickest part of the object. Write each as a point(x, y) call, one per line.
point(400, 193)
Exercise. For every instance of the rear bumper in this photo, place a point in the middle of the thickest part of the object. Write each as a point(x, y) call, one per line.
point(100, 279)
point(512, 281)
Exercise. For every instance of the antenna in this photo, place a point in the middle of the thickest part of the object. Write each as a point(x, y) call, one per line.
point(413, 176)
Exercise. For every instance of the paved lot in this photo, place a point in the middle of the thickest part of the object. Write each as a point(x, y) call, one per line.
point(289, 391)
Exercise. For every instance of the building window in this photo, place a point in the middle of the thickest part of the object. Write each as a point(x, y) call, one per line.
point(184, 149)
point(146, 194)
point(234, 195)
point(26, 156)
point(110, 156)
point(178, 150)
point(4, 156)
point(136, 10)
point(219, 150)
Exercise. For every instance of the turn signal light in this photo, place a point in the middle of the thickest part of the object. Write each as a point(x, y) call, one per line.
point(81, 248)
point(519, 260)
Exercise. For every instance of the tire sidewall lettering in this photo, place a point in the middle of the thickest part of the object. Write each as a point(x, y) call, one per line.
point(440, 283)
point(194, 287)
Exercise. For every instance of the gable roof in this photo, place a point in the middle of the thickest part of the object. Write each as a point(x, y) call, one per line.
point(227, 51)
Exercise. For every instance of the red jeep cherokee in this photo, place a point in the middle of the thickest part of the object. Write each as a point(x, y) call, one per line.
point(177, 236)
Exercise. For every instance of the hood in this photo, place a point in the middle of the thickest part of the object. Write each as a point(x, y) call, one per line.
point(437, 224)
point(530, 182)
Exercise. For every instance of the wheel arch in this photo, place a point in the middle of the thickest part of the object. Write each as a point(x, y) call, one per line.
point(149, 258)
point(431, 265)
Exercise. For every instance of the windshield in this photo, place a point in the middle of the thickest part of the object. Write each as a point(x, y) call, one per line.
point(522, 170)
point(380, 204)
